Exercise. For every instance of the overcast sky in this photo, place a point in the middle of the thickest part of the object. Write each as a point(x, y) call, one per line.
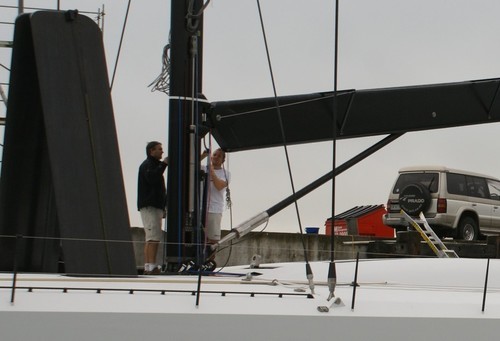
point(383, 43)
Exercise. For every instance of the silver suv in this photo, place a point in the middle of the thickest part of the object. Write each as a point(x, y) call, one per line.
point(456, 203)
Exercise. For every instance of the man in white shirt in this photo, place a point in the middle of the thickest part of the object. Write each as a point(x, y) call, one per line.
point(218, 178)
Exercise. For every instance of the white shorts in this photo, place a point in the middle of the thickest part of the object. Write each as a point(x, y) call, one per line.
point(212, 229)
point(151, 219)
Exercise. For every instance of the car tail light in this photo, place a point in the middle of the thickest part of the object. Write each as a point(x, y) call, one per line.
point(441, 205)
point(393, 206)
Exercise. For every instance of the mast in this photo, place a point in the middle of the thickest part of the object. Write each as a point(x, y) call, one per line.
point(183, 141)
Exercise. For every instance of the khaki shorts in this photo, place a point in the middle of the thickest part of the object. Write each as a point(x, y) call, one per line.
point(151, 219)
point(212, 229)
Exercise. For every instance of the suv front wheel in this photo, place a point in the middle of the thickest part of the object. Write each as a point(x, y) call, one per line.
point(467, 229)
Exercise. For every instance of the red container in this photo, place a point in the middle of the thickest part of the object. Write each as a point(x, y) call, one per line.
point(362, 221)
point(340, 227)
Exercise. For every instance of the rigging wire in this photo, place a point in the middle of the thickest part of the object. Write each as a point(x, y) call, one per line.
point(120, 45)
point(206, 194)
point(162, 82)
point(229, 205)
point(194, 151)
point(285, 148)
point(254, 111)
point(235, 243)
point(332, 271)
point(192, 21)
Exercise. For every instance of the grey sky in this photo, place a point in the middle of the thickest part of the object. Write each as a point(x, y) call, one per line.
point(383, 43)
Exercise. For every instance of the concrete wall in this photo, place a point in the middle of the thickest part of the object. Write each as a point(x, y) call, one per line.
point(273, 247)
point(287, 247)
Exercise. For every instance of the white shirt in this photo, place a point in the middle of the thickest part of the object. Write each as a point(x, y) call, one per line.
point(216, 198)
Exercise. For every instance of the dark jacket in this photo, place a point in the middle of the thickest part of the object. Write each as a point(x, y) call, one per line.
point(151, 189)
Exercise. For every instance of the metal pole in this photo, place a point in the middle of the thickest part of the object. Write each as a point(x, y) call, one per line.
point(184, 26)
point(340, 169)
point(262, 217)
point(485, 285)
point(17, 247)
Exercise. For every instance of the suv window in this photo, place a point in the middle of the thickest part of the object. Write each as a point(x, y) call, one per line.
point(456, 184)
point(472, 186)
point(494, 188)
point(477, 187)
point(429, 180)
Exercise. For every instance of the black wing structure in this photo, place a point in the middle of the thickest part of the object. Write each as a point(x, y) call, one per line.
point(61, 169)
point(254, 123)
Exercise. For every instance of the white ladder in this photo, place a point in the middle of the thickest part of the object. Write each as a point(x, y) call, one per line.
point(430, 236)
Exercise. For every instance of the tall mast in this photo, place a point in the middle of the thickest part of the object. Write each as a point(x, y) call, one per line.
point(183, 140)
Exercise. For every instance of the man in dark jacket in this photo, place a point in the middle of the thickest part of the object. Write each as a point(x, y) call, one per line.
point(151, 202)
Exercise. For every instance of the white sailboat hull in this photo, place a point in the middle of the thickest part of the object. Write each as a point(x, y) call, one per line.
point(412, 299)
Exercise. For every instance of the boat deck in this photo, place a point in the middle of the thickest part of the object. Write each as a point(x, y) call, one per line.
point(275, 302)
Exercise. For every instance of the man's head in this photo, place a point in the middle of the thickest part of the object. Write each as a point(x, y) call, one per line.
point(218, 157)
point(154, 149)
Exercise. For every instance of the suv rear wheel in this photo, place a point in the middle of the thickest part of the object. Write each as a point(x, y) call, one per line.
point(467, 229)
